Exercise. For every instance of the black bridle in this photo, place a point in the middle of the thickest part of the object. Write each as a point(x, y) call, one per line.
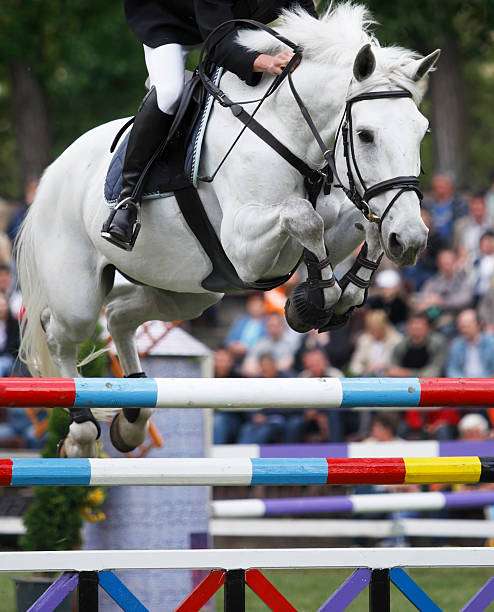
point(401, 183)
point(314, 179)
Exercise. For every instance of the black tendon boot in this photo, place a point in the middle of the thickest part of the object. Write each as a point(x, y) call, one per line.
point(147, 137)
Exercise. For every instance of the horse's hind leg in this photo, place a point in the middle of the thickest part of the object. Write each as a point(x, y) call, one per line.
point(128, 307)
point(68, 321)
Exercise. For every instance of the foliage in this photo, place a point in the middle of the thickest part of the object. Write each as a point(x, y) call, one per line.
point(54, 520)
point(92, 69)
point(429, 24)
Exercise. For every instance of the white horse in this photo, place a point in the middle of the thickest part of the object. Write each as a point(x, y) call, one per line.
point(257, 205)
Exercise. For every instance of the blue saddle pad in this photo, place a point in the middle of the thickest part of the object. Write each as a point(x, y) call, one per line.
point(177, 169)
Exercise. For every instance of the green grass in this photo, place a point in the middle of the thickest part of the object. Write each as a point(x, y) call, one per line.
point(308, 589)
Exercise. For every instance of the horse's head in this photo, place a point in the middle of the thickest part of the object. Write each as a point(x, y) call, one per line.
point(381, 157)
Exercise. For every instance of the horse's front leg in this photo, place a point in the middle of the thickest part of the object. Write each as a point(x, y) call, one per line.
point(355, 283)
point(253, 239)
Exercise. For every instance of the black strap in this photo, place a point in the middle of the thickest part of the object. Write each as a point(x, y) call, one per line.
point(275, 144)
point(120, 132)
point(223, 277)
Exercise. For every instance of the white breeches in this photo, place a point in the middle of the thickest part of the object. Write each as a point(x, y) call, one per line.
point(166, 68)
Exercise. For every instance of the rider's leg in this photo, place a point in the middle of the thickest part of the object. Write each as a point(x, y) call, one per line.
point(154, 118)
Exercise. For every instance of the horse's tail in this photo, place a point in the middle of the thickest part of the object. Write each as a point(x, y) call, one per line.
point(33, 349)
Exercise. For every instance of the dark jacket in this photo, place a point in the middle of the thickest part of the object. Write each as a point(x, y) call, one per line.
point(188, 22)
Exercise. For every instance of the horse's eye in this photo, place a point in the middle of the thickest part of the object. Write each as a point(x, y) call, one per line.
point(366, 136)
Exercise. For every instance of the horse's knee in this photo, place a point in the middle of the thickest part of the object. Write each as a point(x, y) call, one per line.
point(299, 218)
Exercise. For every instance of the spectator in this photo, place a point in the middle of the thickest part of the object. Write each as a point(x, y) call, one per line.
point(415, 276)
point(471, 354)
point(421, 352)
point(388, 298)
point(275, 299)
point(268, 425)
point(248, 328)
point(226, 425)
point(445, 294)
point(16, 220)
point(383, 429)
point(280, 342)
point(444, 206)
point(9, 337)
point(485, 310)
point(468, 230)
point(374, 347)
point(7, 287)
point(483, 267)
point(473, 427)
point(19, 427)
point(489, 200)
point(319, 426)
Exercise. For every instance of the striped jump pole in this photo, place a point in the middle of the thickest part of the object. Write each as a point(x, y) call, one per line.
point(245, 471)
point(352, 504)
point(247, 393)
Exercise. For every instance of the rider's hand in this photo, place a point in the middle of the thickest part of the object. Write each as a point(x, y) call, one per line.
point(273, 64)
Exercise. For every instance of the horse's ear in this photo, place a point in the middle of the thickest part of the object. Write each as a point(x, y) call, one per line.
point(419, 68)
point(364, 64)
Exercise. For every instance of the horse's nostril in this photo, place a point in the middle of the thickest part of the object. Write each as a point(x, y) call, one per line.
point(395, 245)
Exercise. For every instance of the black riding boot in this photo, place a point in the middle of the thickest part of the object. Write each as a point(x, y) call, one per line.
point(149, 132)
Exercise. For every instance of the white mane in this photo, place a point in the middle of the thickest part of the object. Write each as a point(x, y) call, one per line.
point(335, 39)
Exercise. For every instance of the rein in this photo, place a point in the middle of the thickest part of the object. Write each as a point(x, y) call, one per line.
point(314, 179)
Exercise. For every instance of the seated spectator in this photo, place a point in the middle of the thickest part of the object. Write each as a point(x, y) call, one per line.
point(421, 351)
point(375, 345)
point(415, 276)
point(268, 425)
point(483, 267)
point(469, 229)
point(9, 337)
point(280, 342)
point(471, 354)
point(383, 429)
point(445, 294)
point(388, 298)
point(444, 206)
point(19, 426)
point(320, 426)
point(248, 328)
point(226, 425)
point(473, 427)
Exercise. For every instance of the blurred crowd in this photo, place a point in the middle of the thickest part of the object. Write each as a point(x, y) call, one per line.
point(433, 319)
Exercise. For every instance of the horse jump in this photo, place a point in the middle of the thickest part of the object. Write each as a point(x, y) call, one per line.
point(246, 393)
point(245, 472)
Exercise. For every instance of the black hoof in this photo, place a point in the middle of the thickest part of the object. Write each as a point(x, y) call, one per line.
point(116, 439)
point(301, 314)
point(293, 320)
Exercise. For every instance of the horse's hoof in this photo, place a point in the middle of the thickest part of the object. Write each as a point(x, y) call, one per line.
point(68, 448)
point(294, 321)
point(301, 314)
point(121, 444)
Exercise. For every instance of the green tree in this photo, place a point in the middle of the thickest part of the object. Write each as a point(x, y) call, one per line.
point(459, 102)
point(66, 67)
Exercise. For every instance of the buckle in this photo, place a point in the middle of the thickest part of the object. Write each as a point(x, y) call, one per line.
point(370, 216)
